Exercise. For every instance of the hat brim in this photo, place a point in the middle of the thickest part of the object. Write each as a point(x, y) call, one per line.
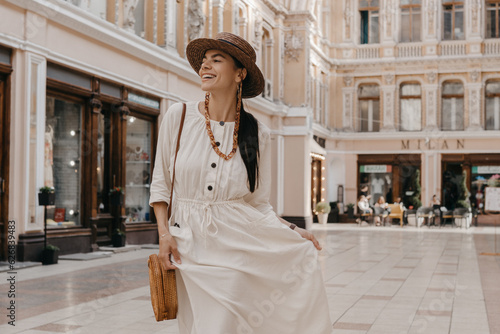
point(253, 84)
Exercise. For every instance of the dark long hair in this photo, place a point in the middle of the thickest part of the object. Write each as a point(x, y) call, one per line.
point(248, 142)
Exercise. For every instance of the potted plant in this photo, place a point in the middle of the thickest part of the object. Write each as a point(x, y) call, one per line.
point(118, 238)
point(46, 196)
point(116, 196)
point(350, 210)
point(322, 210)
point(50, 254)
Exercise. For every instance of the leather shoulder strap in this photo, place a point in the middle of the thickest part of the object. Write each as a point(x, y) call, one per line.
point(175, 159)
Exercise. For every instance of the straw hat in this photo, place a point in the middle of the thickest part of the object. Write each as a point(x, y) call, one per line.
point(236, 47)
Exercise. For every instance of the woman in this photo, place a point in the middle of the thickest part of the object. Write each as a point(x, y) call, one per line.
point(382, 209)
point(240, 268)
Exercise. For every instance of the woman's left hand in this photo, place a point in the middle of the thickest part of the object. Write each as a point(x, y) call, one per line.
point(309, 236)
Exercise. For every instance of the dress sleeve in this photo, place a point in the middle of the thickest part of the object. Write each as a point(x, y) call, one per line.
point(259, 199)
point(161, 182)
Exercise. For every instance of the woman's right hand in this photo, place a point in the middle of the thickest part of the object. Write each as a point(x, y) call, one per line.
point(168, 248)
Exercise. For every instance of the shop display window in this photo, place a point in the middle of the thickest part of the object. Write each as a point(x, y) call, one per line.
point(482, 177)
point(62, 157)
point(138, 170)
point(378, 178)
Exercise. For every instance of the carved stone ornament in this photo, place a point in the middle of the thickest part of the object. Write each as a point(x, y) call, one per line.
point(257, 30)
point(475, 11)
point(348, 81)
point(196, 19)
point(431, 77)
point(347, 19)
point(430, 15)
point(293, 45)
point(474, 75)
point(389, 78)
point(128, 14)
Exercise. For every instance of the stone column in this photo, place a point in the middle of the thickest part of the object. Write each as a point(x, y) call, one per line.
point(474, 91)
point(347, 104)
point(430, 91)
point(388, 93)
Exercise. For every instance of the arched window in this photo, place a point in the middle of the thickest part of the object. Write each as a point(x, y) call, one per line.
point(369, 108)
point(410, 114)
point(266, 62)
point(411, 20)
point(452, 107)
point(492, 116)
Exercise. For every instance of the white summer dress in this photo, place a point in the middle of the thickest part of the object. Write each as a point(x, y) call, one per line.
point(242, 271)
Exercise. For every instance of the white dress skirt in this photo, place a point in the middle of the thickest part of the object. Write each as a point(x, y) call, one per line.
point(242, 270)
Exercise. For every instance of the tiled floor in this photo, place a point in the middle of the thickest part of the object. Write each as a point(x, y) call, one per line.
point(378, 280)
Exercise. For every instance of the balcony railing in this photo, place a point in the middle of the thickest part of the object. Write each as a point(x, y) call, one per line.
point(408, 50)
point(453, 48)
point(367, 52)
point(492, 47)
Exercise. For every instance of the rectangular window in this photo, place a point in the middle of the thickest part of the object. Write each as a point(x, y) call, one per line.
point(492, 117)
point(452, 108)
point(369, 18)
point(62, 163)
point(369, 108)
point(410, 108)
point(138, 170)
point(453, 20)
point(492, 18)
point(410, 20)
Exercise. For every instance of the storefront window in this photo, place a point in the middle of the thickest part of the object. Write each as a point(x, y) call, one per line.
point(452, 109)
point(410, 108)
point(138, 169)
point(103, 150)
point(482, 177)
point(492, 119)
point(369, 108)
point(62, 167)
point(378, 178)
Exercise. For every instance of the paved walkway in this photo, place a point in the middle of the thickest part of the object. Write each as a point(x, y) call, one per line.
point(378, 280)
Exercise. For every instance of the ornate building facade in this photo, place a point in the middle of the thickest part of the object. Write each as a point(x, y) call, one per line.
point(357, 92)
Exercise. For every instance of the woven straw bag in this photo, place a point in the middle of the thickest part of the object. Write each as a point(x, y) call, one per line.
point(163, 290)
point(162, 282)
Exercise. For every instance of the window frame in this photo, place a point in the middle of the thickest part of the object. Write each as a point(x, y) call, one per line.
point(497, 18)
point(367, 98)
point(450, 96)
point(453, 4)
point(405, 97)
point(411, 7)
point(487, 96)
point(369, 10)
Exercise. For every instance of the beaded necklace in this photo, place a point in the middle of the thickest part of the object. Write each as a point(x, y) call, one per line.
point(236, 127)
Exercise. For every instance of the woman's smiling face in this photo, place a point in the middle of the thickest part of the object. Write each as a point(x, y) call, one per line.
point(218, 72)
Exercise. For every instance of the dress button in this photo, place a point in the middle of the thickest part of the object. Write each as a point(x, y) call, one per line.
point(221, 122)
point(217, 143)
point(210, 188)
point(214, 165)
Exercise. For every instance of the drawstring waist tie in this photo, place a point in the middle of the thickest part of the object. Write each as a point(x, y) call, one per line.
point(208, 226)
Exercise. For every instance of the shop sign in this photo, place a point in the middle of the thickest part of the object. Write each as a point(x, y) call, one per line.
point(432, 144)
point(143, 100)
point(485, 169)
point(375, 168)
